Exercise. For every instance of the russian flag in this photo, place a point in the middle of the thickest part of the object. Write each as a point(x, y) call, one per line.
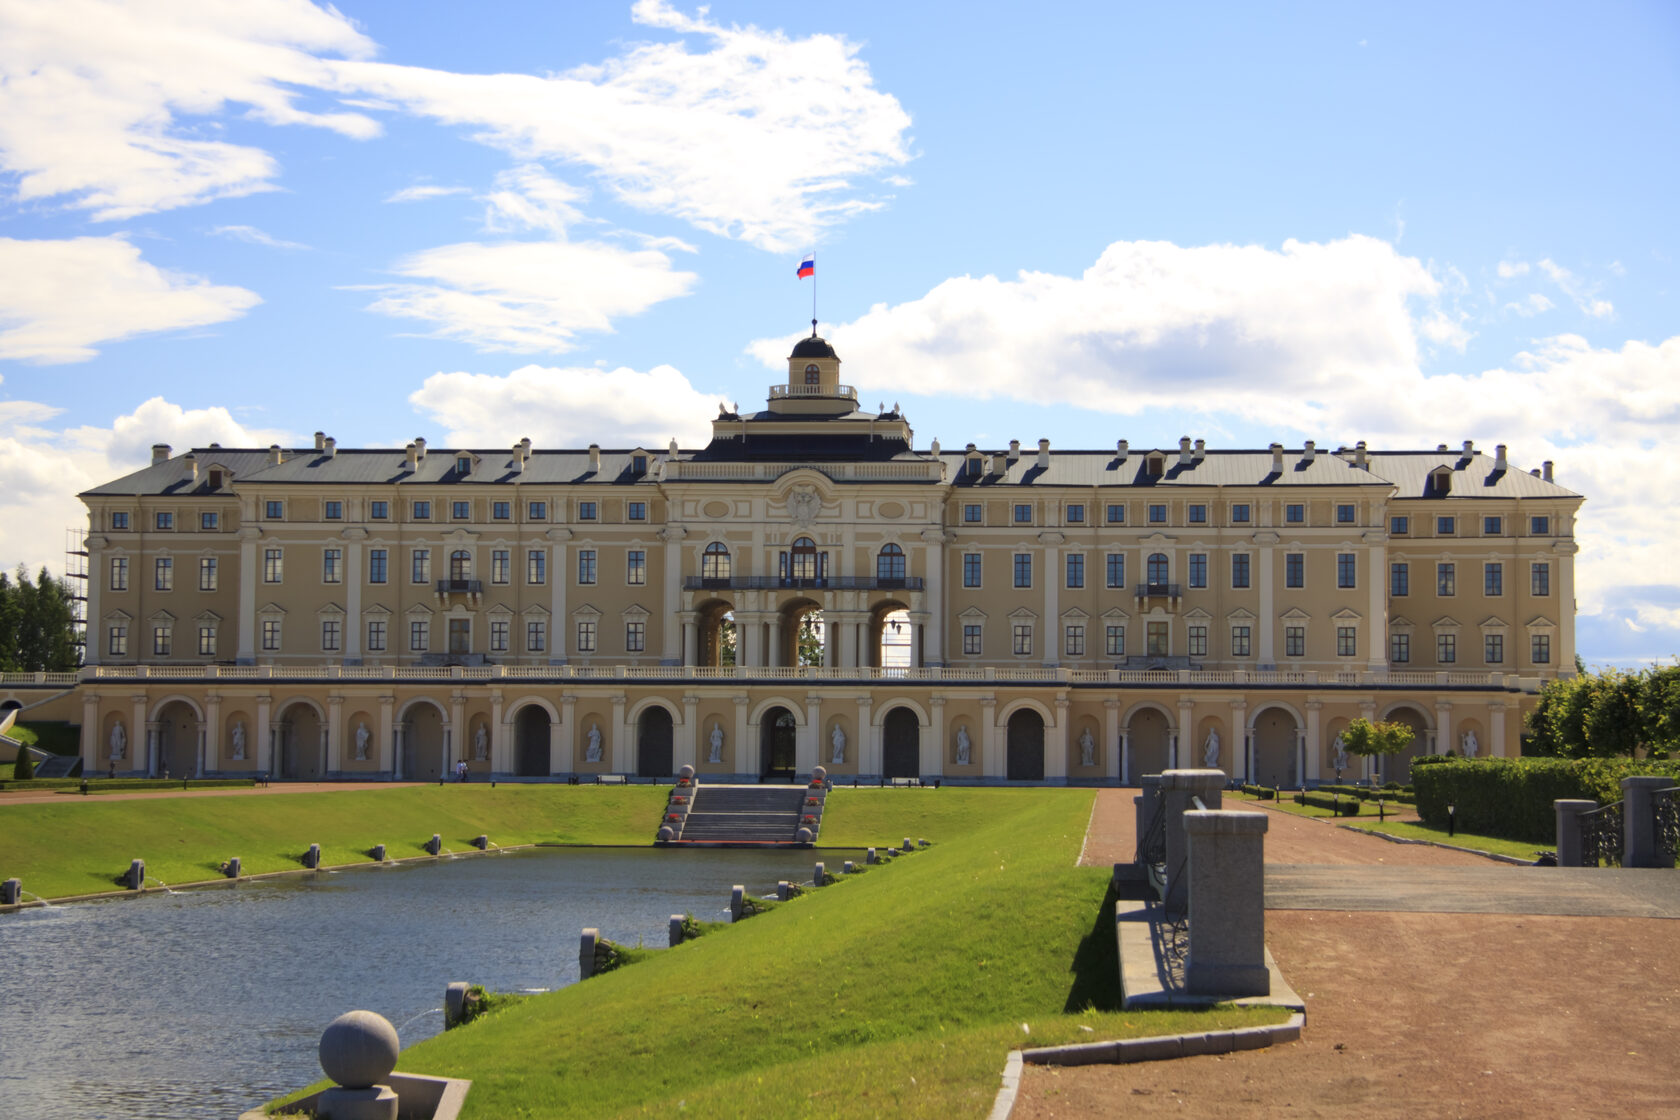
point(808, 267)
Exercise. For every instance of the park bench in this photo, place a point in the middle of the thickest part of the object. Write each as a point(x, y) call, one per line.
point(610, 779)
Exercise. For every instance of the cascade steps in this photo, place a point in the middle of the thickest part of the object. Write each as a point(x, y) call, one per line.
point(747, 816)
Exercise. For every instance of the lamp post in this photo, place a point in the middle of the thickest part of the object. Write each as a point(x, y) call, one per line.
point(1452, 817)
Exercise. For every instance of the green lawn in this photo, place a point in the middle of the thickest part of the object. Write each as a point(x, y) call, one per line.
point(1413, 830)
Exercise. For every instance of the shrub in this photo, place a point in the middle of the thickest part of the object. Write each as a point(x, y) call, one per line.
point(1512, 797)
point(1264, 793)
point(1346, 806)
point(25, 769)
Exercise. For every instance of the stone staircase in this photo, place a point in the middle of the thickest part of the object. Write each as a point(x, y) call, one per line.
point(746, 816)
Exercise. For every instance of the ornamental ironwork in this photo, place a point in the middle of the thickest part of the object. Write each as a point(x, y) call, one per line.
point(1601, 836)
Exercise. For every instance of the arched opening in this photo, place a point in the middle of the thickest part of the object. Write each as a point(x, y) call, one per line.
point(532, 739)
point(1157, 569)
point(177, 731)
point(901, 744)
point(1024, 751)
point(1149, 745)
point(777, 736)
point(803, 636)
point(1276, 761)
point(297, 750)
point(715, 562)
point(653, 744)
point(460, 565)
point(423, 743)
point(716, 645)
point(891, 637)
point(889, 565)
point(1398, 767)
point(802, 561)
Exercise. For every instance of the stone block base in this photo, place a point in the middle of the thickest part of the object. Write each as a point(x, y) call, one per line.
point(1227, 980)
point(376, 1103)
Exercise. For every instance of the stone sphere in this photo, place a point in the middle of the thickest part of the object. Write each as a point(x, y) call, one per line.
point(819, 773)
point(686, 772)
point(665, 833)
point(359, 1049)
point(804, 836)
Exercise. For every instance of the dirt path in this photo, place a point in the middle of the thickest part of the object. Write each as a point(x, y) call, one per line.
point(9, 797)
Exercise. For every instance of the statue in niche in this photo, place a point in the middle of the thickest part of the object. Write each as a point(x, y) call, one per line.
point(119, 740)
point(239, 741)
point(964, 748)
point(1470, 744)
point(1341, 752)
point(839, 741)
point(1210, 750)
point(362, 737)
point(717, 743)
point(481, 744)
point(1087, 748)
point(803, 507)
point(593, 752)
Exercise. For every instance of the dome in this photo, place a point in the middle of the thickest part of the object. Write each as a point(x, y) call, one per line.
point(813, 347)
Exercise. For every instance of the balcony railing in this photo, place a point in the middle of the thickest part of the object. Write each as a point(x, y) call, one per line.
point(1158, 591)
point(781, 391)
point(468, 586)
point(826, 583)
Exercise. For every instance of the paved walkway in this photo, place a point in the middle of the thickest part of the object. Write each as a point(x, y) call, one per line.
point(19, 797)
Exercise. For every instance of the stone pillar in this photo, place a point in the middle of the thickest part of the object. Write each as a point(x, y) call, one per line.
point(353, 599)
point(455, 735)
point(746, 639)
point(1125, 753)
point(773, 646)
point(1113, 743)
point(499, 738)
point(621, 758)
point(139, 736)
point(807, 742)
point(747, 753)
point(332, 736)
point(92, 741)
point(1052, 608)
point(670, 652)
point(212, 758)
point(262, 736)
point(1227, 904)
point(560, 621)
point(1639, 822)
point(386, 750)
point(1184, 739)
point(566, 755)
point(866, 739)
point(248, 574)
point(933, 634)
point(1265, 640)
point(1496, 729)
point(1144, 805)
point(688, 737)
point(1444, 740)
point(399, 752)
point(1569, 830)
point(1056, 749)
point(154, 745)
point(1313, 764)
point(691, 641)
point(991, 743)
point(1179, 787)
point(1376, 652)
point(1239, 741)
point(933, 742)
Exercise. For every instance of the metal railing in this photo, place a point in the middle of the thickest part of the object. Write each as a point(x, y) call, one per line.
point(778, 392)
point(1601, 836)
point(472, 586)
point(822, 583)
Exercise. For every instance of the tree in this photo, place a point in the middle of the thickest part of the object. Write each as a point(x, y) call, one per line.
point(25, 768)
point(1368, 739)
point(811, 639)
point(37, 624)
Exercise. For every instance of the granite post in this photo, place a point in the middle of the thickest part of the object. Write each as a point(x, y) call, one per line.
point(1639, 822)
point(1180, 788)
point(1569, 812)
point(1226, 874)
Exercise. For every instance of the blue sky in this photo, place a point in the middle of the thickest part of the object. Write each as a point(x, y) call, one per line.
point(1411, 224)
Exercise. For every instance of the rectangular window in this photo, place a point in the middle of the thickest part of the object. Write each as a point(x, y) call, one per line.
point(536, 511)
point(1295, 641)
point(1347, 570)
point(166, 521)
point(635, 635)
point(1492, 526)
point(1400, 648)
point(1347, 641)
point(420, 566)
point(422, 511)
point(271, 635)
point(586, 565)
point(1116, 565)
point(1446, 648)
point(1540, 649)
point(1198, 641)
point(971, 515)
point(635, 567)
point(1399, 526)
point(501, 565)
point(1399, 579)
point(208, 522)
point(1198, 569)
point(1445, 526)
point(1239, 570)
point(379, 511)
point(206, 641)
point(274, 569)
point(1294, 569)
point(207, 573)
point(971, 639)
point(1344, 515)
point(1023, 569)
point(1239, 514)
point(1156, 640)
point(498, 635)
point(1537, 526)
point(119, 573)
point(330, 629)
point(1114, 641)
point(1023, 639)
point(501, 511)
point(1241, 641)
point(274, 511)
point(1023, 515)
point(116, 642)
point(1446, 579)
point(1076, 569)
point(536, 637)
point(586, 511)
point(419, 635)
point(1295, 514)
point(1493, 579)
point(1074, 643)
point(586, 637)
point(636, 511)
point(1198, 515)
point(332, 511)
point(1116, 515)
point(971, 569)
point(1540, 579)
point(119, 521)
point(1493, 648)
point(161, 641)
point(376, 635)
point(1076, 515)
point(460, 511)
point(331, 564)
point(536, 566)
point(377, 565)
point(1158, 515)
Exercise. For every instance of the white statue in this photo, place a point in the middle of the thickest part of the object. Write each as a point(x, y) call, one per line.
point(362, 737)
point(1341, 752)
point(1087, 748)
point(1470, 744)
point(119, 741)
point(839, 741)
point(593, 753)
point(481, 744)
point(962, 745)
point(239, 741)
point(717, 743)
point(1210, 750)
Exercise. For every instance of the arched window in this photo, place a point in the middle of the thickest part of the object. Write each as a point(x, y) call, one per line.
point(813, 375)
point(1157, 567)
point(803, 559)
point(889, 563)
point(460, 564)
point(714, 562)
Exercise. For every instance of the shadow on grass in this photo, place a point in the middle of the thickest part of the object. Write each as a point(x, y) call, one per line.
point(1096, 963)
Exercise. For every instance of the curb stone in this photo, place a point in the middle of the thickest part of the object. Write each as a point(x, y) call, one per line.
point(1498, 857)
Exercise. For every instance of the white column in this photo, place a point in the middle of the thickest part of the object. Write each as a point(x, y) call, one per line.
point(1496, 729)
point(386, 754)
point(933, 743)
point(1563, 559)
point(91, 740)
point(746, 639)
point(1185, 740)
point(1239, 741)
point(807, 743)
point(1314, 745)
point(773, 655)
point(248, 575)
point(622, 757)
point(212, 733)
point(141, 736)
point(1056, 750)
point(676, 627)
point(1052, 609)
point(933, 637)
point(332, 735)
point(1126, 754)
point(991, 745)
point(1268, 612)
point(747, 759)
point(1113, 742)
point(498, 734)
point(868, 740)
point(688, 738)
point(691, 642)
point(1376, 655)
point(353, 601)
point(263, 737)
point(559, 573)
point(1444, 740)
point(399, 752)
point(562, 749)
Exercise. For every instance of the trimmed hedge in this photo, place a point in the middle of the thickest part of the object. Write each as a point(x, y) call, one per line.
point(1392, 794)
point(1264, 793)
point(1345, 806)
point(124, 785)
point(1512, 797)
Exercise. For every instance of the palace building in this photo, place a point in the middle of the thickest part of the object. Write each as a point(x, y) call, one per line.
point(1002, 614)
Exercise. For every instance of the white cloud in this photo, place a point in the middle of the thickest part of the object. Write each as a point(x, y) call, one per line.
point(1584, 295)
point(254, 236)
point(568, 407)
point(423, 193)
point(101, 100)
point(1530, 306)
point(1509, 269)
point(59, 299)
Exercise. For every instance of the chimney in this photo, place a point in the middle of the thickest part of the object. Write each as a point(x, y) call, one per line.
point(1201, 450)
point(519, 458)
point(191, 462)
point(1309, 451)
point(1546, 470)
point(320, 441)
point(411, 457)
point(1000, 464)
point(1123, 448)
point(1277, 458)
point(526, 444)
point(1469, 448)
point(1184, 451)
point(1535, 472)
point(420, 449)
point(595, 457)
point(1440, 448)
point(275, 455)
point(1043, 454)
point(1499, 460)
point(1014, 450)
point(1360, 458)
point(160, 453)
point(331, 448)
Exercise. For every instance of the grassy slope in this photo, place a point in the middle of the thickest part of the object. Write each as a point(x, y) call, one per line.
point(79, 847)
point(894, 992)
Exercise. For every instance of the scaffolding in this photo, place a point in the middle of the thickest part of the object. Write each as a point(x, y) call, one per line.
point(76, 586)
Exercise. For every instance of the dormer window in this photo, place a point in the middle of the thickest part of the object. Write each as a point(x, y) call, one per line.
point(463, 464)
point(1157, 465)
point(813, 375)
point(215, 479)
